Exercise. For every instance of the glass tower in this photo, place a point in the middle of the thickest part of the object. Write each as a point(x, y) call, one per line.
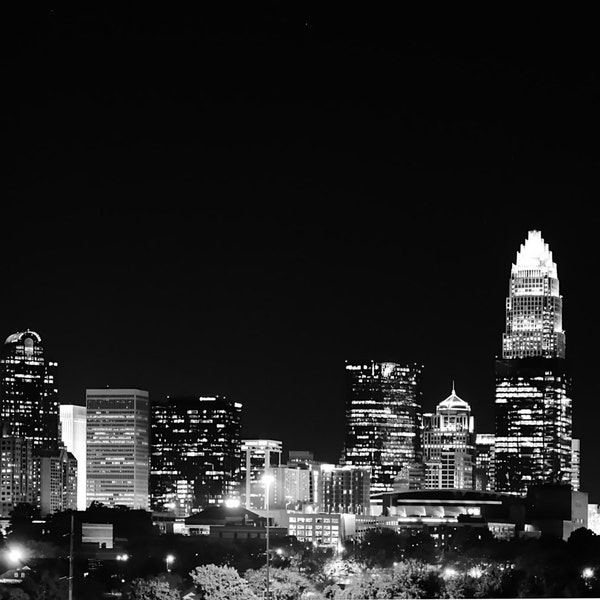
point(28, 395)
point(196, 454)
point(533, 386)
point(383, 420)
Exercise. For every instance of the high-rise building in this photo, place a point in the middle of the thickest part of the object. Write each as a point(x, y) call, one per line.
point(344, 489)
point(17, 481)
point(291, 485)
point(74, 437)
point(118, 461)
point(449, 445)
point(484, 476)
point(383, 420)
point(533, 385)
point(258, 457)
point(56, 475)
point(28, 394)
point(195, 453)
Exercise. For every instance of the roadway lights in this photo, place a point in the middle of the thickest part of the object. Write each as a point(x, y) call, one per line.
point(168, 560)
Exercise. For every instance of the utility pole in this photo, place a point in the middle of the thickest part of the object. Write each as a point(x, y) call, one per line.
point(71, 559)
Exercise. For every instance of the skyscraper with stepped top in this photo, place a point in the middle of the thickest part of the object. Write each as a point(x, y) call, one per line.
point(533, 385)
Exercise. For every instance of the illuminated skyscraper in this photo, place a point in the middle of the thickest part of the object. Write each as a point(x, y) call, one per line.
point(449, 445)
point(118, 461)
point(533, 386)
point(196, 455)
point(28, 395)
point(383, 420)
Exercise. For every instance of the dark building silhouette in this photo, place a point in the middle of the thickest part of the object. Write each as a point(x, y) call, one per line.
point(533, 385)
point(484, 479)
point(196, 453)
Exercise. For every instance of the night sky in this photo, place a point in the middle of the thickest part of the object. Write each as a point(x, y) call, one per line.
point(235, 204)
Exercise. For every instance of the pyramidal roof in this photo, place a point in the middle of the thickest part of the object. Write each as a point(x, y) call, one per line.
point(535, 254)
point(453, 402)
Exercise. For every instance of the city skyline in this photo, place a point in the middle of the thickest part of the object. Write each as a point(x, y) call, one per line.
point(238, 209)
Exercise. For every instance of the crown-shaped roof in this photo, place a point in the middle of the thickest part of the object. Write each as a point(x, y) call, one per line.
point(453, 402)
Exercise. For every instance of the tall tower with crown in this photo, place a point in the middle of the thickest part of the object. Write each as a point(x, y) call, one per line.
point(533, 386)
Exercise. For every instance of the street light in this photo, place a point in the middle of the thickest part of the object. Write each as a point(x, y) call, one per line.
point(267, 481)
point(168, 560)
point(15, 555)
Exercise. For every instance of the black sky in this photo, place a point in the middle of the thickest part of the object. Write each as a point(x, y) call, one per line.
point(236, 202)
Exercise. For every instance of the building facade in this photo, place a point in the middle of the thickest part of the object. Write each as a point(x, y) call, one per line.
point(258, 457)
point(196, 454)
point(118, 461)
point(74, 437)
point(344, 490)
point(56, 474)
point(17, 481)
point(575, 464)
point(28, 393)
point(291, 485)
point(383, 420)
point(484, 474)
point(449, 445)
point(533, 385)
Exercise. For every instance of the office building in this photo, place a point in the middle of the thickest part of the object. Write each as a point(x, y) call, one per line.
point(449, 445)
point(258, 456)
point(484, 462)
point(56, 475)
point(383, 421)
point(118, 458)
point(74, 437)
point(533, 384)
point(344, 489)
point(196, 453)
point(28, 394)
point(291, 485)
point(17, 482)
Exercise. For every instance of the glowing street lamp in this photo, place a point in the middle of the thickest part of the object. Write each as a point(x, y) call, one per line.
point(267, 480)
point(15, 555)
point(168, 560)
point(587, 573)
